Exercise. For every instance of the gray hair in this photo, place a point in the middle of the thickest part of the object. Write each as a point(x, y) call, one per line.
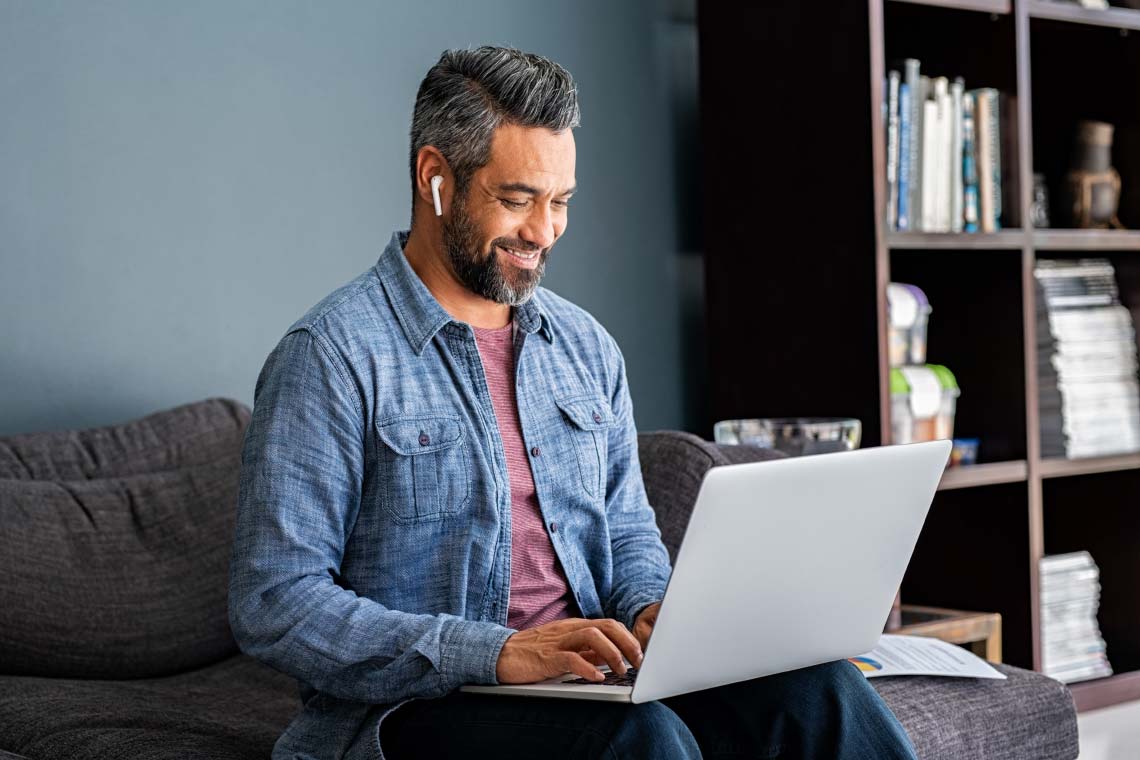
point(468, 93)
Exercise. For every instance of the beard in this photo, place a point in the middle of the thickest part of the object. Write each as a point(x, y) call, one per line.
point(483, 273)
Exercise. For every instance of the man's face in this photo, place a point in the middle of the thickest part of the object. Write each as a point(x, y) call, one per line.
point(501, 231)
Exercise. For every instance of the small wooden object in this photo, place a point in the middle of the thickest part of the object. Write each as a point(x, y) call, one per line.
point(981, 630)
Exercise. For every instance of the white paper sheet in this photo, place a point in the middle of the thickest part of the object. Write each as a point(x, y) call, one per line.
point(897, 655)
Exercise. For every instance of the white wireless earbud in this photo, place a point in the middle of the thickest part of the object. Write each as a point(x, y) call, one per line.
point(436, 181)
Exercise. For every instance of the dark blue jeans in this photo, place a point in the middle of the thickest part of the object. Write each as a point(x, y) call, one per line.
point(825, 711)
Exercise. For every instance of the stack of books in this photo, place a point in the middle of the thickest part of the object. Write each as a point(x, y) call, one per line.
point(944, 153)
point(1072, 647)
point(1086, 361)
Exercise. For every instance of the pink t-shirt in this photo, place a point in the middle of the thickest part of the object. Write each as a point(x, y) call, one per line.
point(539, 591)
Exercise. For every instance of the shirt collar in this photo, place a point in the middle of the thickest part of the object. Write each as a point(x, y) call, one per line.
point(420, 314)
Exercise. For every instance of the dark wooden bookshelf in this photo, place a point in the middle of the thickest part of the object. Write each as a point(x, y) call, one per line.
point(1070, 12)
point(971, 476)
point(1105, 692)
point(797, 263)
point(961, 241)
point(1059, 468)
point(984, 6)
point(1086, 240)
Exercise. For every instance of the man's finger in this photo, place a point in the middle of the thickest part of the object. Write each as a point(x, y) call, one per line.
point(572, 662)
point(592, 657)
point(593, 638)
point(625, 641)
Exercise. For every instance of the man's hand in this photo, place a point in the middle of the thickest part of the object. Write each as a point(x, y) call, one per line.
point(573, 645)
point(643, 626)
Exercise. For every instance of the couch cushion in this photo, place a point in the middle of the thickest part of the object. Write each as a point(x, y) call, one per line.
point(122, 576)
point(119, 577)
point(232, 710)
point(186, 435)
point(1028, 716)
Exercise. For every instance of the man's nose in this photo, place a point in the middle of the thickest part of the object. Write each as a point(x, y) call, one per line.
point(539, 227)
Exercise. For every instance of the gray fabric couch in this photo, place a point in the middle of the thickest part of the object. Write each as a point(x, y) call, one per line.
point(113, 634)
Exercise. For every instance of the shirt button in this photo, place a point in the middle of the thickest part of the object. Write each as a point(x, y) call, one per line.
point(553, 527)
point(597, 417)
point(424, 439)
point(536, 451)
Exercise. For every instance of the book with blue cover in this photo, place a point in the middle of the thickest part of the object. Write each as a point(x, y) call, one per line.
point(892, 150)
point(969, 167)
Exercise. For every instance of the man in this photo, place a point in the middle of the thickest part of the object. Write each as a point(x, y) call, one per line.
point(440, 484)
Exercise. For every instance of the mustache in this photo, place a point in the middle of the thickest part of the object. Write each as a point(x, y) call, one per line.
point(517, 245)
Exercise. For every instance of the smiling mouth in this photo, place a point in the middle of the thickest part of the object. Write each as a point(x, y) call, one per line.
point(519, 254)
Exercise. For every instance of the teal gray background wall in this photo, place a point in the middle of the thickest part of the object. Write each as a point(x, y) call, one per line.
point(180, 181)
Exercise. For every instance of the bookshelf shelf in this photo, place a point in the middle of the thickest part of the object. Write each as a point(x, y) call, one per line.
point(984, 6)
point(1060, 468)
point(814, 309)
point(972, 476)
point(1103, 692)
point(1120, 18)
point(1011, 239)
point(1086, 240)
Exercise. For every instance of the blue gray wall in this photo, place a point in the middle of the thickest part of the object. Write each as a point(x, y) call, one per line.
point(180, 181)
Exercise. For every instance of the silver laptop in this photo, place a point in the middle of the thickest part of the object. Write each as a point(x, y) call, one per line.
point(784, 564)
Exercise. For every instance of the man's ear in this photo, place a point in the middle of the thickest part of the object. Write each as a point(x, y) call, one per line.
point(429, 163)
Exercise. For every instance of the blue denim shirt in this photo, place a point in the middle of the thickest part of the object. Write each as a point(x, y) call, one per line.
point(372, 556)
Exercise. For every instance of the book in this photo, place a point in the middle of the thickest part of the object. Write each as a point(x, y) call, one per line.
point(957, 89)
point(892, 149)
point(990, 137)
point(911, 75)
point(982, 125)
point(928, 168)
point(1061, 563)
point(904, 189)
point(969, 167)
point(996, 154)
point(943, 130)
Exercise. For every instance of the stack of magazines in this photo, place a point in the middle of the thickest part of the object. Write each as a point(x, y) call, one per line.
point(1089, 396)
point(944, 153)
point(1072, 647)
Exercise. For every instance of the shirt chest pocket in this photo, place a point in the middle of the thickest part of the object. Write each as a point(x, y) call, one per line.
point(588, 420)
point(424, 462)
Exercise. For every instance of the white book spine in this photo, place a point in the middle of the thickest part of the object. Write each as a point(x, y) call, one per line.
point(929, 165)
point(918, 169)
point(942, 209)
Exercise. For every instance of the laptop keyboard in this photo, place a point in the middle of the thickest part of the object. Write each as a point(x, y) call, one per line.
point(612, 679)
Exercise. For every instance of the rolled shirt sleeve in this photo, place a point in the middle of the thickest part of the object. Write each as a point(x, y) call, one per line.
point(300, 491)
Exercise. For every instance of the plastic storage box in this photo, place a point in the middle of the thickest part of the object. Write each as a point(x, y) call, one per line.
point(923, 402)
point(909, 312)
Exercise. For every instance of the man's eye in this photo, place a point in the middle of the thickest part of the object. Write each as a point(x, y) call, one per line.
point(512, 204)
point(562, 204)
